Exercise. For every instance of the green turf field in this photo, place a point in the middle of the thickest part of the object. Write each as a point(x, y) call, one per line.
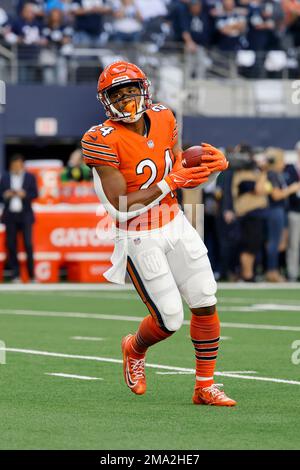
point(40, 411)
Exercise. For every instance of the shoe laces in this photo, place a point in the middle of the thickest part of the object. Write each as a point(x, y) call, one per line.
point(138, 367)
point(214, 390)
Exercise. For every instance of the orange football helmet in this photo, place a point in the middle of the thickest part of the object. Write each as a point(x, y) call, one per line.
point(121, 74)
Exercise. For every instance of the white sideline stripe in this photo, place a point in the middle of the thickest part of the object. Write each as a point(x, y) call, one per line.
point(154, 366)
point(289, 307)
point(100, 295)
point(221, 300)
point(87, 338)
point(218, 373)
point(72, 376)
point(263, 379)
point(239, 372)
point(56, 287)
point(262, 307)
point(129, 287)
point(175, 373)
point(249, 300)
point(98, 316)
point(253, 326)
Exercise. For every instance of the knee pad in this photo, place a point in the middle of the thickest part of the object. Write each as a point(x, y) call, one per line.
point(171, 310)
point(200, 290)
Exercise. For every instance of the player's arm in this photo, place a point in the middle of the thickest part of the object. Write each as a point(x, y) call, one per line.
point(110, 186)
point(114, 186)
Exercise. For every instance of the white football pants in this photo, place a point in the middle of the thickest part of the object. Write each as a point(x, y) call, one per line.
point(168, 263)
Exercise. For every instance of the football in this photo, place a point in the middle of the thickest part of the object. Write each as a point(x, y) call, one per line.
point(191, 157)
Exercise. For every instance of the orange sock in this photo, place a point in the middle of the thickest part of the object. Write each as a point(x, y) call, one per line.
point(205, 335)
point(149, 333)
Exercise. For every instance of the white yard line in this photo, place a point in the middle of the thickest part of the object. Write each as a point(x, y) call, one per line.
point(154, 366)
point(239, 372)
point(72, 376)
point(98, 316)
point(176, 373)
point(250, 301)
point(87, 338)
point(222, 302)
point(253, 326)
point(66, 287)
point(129, 287)
point(224, 373)
point(95, 316)
point(103, 295)
point(262, 308)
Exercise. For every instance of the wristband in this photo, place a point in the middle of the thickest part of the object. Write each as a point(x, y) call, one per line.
point(164, 187)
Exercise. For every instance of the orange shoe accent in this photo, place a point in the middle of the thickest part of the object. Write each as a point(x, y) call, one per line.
point(133, 369)
point(212, 396)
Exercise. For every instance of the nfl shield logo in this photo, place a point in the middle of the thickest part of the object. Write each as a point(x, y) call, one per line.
point(137, 241)
point(150, 144)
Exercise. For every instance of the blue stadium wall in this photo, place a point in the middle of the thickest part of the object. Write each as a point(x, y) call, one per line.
point(76, 109)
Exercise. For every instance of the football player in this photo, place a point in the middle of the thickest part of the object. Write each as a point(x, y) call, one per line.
point(137, 168)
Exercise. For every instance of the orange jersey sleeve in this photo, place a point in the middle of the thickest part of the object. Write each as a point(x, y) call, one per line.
point(97, 147)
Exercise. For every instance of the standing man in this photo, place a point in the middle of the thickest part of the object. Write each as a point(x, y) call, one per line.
point(137, 168)
point(292, 175)
point(17, 190)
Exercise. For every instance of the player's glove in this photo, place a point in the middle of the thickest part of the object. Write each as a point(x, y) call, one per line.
point(180, 177)
point(213, 158)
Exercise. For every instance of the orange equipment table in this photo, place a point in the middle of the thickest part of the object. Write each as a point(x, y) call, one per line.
point(66, 235)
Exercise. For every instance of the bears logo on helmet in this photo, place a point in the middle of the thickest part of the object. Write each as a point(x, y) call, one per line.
point(121, 74)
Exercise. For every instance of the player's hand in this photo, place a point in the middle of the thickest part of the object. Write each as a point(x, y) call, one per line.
point(187, 177)
point(213, 158)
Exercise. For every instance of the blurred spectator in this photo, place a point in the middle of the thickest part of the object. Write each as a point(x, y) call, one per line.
point(89, 16)
point(211, 200)
point(231, 26)
point(249, 191)
point(228, 227)
point(292, 174)
point(262, 33)
point(26, 32)
point(17, 190)
point(150, 9)
point(276, 214)
point(38, 6)
point(193, 27)
point(76, 170)
point(128, 22)
point(26, 27)
point(57, 34)
point(156, 25)
point(3, 23)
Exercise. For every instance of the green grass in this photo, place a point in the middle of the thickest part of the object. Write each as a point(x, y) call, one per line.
point(39, 411)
